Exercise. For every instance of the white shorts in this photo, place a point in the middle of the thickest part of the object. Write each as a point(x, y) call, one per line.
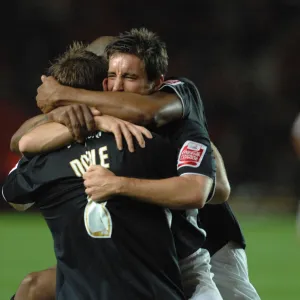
point(230, 269)
point(197, 279)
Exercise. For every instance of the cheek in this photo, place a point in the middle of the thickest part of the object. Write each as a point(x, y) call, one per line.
point(110, 84)
point(133, 87)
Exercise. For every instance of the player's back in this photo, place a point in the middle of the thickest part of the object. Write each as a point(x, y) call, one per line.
point(132, 256)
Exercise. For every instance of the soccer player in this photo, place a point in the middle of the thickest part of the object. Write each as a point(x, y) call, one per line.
point(145, 109)
point(169, 187)
point(160, 107)
point(225, 241)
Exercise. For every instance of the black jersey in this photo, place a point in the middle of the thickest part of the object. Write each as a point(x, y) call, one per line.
point(194, 152)
point(217, 219)
point(133, 255)
point(189, 96)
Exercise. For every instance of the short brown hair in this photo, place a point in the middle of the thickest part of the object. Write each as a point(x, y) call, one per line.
point(144, 44)
point(79, 68)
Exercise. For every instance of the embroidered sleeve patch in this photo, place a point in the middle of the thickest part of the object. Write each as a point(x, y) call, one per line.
point(191, 155)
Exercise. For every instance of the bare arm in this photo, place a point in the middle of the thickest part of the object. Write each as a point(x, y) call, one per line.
point(172, 192)
point(222, 189)
point(45, 138)
point(78, 119)
point(26, 127)
point(158, 108)
point(52, 136)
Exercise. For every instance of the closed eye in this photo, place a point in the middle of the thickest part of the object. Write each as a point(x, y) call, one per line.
point(130, 76)
point(111, 75)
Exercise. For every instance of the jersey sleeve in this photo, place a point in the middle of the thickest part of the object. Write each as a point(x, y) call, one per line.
point(189, 96)
point(194, 151)
point(20, 186)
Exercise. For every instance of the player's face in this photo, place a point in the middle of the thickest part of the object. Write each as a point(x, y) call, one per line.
point(126, 73)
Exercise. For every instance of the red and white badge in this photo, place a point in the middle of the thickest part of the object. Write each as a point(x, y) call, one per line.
point(191, 155)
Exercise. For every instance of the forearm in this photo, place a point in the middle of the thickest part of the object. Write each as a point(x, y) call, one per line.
point(184, 192)
point(222, 189)
point(45, 138)
point(157, 109)
point(25, 128)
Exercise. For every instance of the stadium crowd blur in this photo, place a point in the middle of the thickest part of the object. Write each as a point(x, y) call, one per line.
point(242, 55)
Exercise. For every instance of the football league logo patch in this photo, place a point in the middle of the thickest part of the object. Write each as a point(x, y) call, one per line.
point(191, 155)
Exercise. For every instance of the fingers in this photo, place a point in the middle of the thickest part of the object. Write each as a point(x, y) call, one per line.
point(92, 169)
point(89, 121)
point(90, 182)
point(137, 134)
point(78, 119)
point(128, 130)
point(95, 112)
point(89, 191)
point(144, 131)
point(117, 132)
point(128, 136)
point(79, 115)
point(74, 126)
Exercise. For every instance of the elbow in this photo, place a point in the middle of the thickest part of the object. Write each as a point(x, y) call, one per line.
point(225, 191)
point(14, 147)
point(24, 144)
point(197, 199)
point(140, 117)
point(159, 118)
point(222, 193)
point(198, 188)
point(154, 116)
point(146, 118)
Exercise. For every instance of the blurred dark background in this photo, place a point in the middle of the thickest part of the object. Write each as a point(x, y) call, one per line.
point(244, 56)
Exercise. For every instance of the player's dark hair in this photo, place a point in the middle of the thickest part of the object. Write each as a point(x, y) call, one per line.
point(79, 68)
point(144, 44)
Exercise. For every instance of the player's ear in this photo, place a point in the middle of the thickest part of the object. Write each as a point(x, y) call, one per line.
point(158, 82)
point(104, 85)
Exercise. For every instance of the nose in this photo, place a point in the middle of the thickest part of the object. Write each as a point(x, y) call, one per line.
point(118, 85)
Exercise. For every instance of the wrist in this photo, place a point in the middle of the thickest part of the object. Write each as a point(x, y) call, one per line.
point(64, 95)
point(120, 185)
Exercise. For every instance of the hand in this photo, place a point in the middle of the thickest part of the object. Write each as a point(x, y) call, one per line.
point(48, 94)
point(100, 183)
point(122, 128)
point(77, 117)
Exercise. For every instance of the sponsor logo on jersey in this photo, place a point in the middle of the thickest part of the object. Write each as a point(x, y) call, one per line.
point(191, 154)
